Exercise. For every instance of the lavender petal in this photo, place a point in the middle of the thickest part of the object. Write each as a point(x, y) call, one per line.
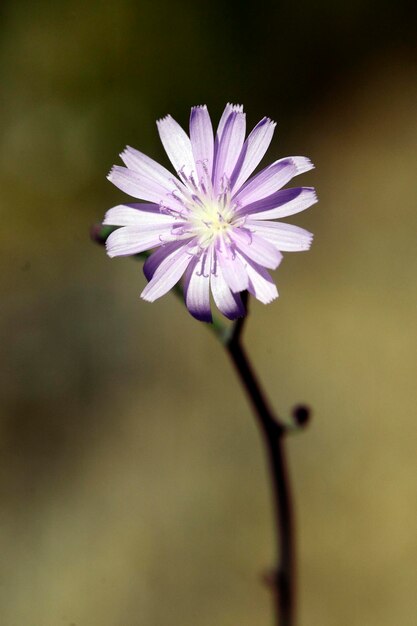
point(167, 274)
point(137, 215)
point(260, 284)
point(137, 185)
point(134, 239)
point(202, 140)
point(197, 287)
point(232, 267)
point(148, 168)
point(285, 237)
point(165, 251)
point(256, 248)
point(272, 178)
point(229, 148)
point(177, 145)
point(228, 303)
point(281, 203)
point(253, 151)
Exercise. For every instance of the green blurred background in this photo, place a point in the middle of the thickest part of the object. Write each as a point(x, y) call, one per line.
point(133, 485)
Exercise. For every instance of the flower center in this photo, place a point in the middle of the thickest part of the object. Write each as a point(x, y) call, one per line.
point(208, 214)
point(210, 219)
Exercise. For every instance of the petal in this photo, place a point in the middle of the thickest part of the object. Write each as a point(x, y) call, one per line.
point(137, 215)
point(285, 237)
point(260, 284)
point(256, 248)
point(252, 152)
point(202, 140)
point(232, 267)
point(167, 274)
point(137, 185)
point(303, 164)
point(197, 287)
point(272, 178)
point(230, 108)
point(163, 252)
point(229, 303)
point(149, 168)
point(281, 204)
point(229, 148)
point(134, 239)
point(177, 145)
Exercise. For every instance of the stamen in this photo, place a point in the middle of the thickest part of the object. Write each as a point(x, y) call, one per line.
point(203, 263)
point(178, 231)
point(248, 233)
point(241, 221)
point(198, 200)
point(173, 194)
point(166, 210)
point(214, 264)
point(182, 175)
point(192, 181)
point(207, 183)
point(176, 183)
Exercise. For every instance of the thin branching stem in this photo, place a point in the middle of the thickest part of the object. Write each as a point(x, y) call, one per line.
point(273, 432)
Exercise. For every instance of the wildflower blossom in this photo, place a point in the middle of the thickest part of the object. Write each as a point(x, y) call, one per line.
point(211, 223)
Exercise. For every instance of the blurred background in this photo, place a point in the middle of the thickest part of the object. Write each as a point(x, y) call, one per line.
point(133, 485)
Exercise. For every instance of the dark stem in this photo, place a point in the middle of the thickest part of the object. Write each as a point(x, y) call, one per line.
point(273, 432)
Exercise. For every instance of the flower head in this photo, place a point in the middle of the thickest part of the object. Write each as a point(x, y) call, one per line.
point(211, 223)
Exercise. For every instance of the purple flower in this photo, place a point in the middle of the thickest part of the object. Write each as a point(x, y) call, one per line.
point(211, 223)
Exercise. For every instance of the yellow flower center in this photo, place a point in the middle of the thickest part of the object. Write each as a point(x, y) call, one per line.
point(209, 220)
